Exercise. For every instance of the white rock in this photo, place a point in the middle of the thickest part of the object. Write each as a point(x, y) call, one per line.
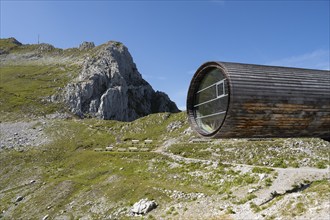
point(252, 190)
point(143, 206)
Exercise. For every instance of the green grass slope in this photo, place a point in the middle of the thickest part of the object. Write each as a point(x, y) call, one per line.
point(30, 76)
point(69, 169)
point(25, 90)
point(75, 177)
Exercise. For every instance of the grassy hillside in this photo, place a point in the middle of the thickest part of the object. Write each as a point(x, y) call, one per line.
point(30, 76)
point(75, 177)
point(26, 90)
point(72, 162)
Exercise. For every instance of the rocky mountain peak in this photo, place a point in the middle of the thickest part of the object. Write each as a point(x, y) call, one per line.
point(86, 45)
point(14, 41)
point(110, 87)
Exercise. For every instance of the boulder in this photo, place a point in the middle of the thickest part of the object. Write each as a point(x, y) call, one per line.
point(143, 206)
point(19, 198)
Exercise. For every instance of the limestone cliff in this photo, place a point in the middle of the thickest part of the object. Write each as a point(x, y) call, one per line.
point(110, 87)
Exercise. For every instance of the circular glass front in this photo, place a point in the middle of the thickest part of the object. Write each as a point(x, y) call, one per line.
point(211, 100)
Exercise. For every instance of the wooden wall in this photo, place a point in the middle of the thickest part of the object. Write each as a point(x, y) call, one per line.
point(268, 101)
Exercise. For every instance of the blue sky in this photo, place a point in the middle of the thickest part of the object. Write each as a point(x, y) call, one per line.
point(169, 40)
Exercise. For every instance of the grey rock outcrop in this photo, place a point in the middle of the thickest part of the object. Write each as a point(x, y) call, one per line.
point(86, 45)
point(45, 47)
point(110, 87)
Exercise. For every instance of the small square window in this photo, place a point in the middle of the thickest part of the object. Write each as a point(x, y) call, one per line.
point(220, 89)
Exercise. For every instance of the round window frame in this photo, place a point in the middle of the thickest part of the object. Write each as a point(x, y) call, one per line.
point(191, 97)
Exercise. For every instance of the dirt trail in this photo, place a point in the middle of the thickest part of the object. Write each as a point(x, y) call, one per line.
point(285, 175)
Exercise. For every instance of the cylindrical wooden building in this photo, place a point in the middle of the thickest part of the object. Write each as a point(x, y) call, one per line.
point(233, 100)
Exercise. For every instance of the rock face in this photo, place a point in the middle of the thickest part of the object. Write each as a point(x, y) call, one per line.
point(110, 87)
point(86, 45)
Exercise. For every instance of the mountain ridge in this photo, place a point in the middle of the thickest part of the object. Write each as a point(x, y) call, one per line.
point(105, 84)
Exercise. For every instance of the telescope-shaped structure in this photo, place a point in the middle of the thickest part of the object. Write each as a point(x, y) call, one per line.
point(234, 100)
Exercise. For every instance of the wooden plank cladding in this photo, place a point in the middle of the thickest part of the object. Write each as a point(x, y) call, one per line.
point(260, 101)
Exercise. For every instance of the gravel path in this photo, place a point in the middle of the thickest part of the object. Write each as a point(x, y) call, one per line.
point(290, 178)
